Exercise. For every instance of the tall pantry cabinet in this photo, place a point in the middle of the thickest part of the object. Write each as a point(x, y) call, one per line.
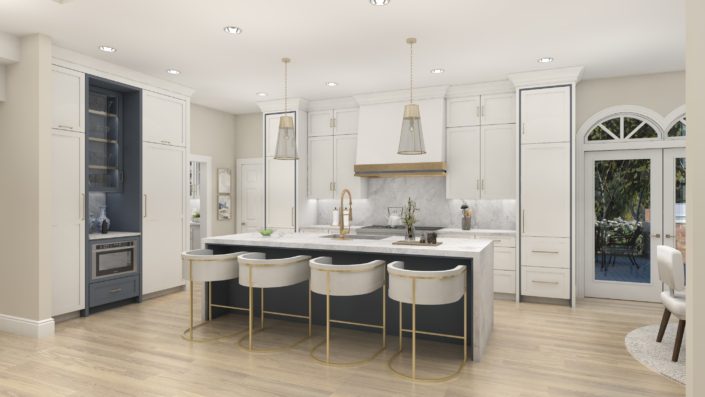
point(546, 188)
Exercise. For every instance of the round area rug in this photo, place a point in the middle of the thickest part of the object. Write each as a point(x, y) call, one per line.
point(641, 344)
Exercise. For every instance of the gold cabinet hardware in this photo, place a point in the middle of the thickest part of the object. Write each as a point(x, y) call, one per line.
point(544, 282)
point(545, 252)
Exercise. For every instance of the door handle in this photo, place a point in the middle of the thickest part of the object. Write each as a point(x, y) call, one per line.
point(669, 236)
point(68, 127)
point(82, 206)
point(544, 282)
point(523, 221)
point(144, 205)
point(292, 216)
point(115, 290)
point(544, 252)
point(657, 235)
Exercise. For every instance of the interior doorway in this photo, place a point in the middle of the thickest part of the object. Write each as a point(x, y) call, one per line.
point(200, 205)
point(250, 195)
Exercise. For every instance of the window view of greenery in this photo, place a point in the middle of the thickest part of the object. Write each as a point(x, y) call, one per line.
point(622, 224)
point(678, 129)
point(680, 205)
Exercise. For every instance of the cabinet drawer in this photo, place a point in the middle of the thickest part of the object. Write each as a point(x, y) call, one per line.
point(505, 281)
point(545, 252)
point(499, 241)
point(504, 258)
point(545, 282)
point(113, 290)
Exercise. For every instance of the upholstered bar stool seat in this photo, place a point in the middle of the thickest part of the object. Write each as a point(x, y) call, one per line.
point(256, 271)
point(202, 265)
point(329, 280)
point(416, 287)
point(672, 275)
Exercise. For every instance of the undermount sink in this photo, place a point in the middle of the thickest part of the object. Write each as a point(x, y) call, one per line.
point(355, 237)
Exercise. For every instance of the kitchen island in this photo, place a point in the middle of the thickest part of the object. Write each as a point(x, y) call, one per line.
point(477, 255)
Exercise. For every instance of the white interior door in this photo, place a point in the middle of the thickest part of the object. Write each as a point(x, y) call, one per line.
point(624, 224)
point(674, 216)
point(250, 195)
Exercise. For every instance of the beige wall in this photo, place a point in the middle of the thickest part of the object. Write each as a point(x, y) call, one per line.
point(695, 101)
point(248, 137)
point(25, 161)
point(661, 92)
point(213, 134)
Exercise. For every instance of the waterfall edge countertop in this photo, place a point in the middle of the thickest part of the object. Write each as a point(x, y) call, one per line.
point(450, 247)
point(478, 254)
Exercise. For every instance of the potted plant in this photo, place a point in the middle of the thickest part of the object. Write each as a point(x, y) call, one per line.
point(196, 216)
point(408, 215)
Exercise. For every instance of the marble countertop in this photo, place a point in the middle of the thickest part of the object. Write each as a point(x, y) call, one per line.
point(328, 227)
point(451, 247)
point(101, 236)
point(483, 232)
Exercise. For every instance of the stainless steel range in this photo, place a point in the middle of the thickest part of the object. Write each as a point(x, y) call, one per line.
point(383, 230)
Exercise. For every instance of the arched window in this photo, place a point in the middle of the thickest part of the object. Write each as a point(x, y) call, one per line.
point(677, 130)
point(622, 127)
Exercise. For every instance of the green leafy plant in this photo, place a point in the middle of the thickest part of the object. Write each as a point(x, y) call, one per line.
point(408, 213)
point(196, 214)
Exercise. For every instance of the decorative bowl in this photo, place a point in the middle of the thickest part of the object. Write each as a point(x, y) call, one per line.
point(266, 232)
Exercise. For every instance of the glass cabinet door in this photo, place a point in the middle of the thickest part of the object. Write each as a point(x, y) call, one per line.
point(103, 141)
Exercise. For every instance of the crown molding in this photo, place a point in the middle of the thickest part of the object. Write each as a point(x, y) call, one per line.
point(277, 105)
point(85, 64)
point(570, 75)
point(491, 87)
point(333, 103)
point(437, 92)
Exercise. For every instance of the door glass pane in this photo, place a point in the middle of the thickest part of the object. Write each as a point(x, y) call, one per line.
point(679, 210)
point(622, 220)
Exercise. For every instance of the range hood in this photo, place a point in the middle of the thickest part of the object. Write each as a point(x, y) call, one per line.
point(379, 126)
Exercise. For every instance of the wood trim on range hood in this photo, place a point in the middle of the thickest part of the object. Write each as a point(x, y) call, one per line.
point(401, 169)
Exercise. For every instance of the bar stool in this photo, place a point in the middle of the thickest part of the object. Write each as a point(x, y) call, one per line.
point(347, 280)
point(427, 288)
point(202, 265)
point(260, 272)
point(672, 273)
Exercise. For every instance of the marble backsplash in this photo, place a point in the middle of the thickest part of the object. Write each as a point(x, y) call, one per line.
point(430, 196)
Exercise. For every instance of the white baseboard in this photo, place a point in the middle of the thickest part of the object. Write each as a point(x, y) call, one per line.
point(27, 327)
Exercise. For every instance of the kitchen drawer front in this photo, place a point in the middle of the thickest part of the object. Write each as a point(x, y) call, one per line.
point(505, 281)
point(499, 241)
point(114, 290)
point(504, 258)
point(545, 252)
point(545, 282)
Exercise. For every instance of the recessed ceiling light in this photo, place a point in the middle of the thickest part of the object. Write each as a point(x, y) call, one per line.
point(545, 60)
point(232, 30)
point(379, 2)
point(261, 94)
point(106, 48)
point(331, 84)
point(173, 71)
point(437, 71)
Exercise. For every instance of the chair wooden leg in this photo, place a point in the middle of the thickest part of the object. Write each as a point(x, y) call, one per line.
point(664, 324)
point(679, 340)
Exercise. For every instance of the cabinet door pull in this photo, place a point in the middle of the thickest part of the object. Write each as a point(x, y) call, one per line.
point(166, 142)
point(523, 221)
point(144, 205)
point(523, 128)
point(292, 216)
point(657, 235)
point(545, 252)
point(669, 236)
point(477, 111)
point(482, 185)
point(82, 207)
point(482, 111)
point(544, 282)
point(115, 290)
point(68, 127)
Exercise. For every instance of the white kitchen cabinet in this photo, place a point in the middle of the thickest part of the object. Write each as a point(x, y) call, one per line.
point(505, 281)
point(463, 112)
point(463, 158)
point(545, 190)
point(545, 282)
point(163, 225)
point(345, 121)
point(546, 115)
point(320, 123)
point(280, 194)
point(481, 162)
point(68, 234)
point(498, 109)
point(321, 170)
point(345, 147)
point(163, 119)
point(498, 159)
point(69, 99)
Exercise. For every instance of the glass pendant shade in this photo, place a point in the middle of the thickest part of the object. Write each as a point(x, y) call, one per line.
point(286, 140)
point(411, 139)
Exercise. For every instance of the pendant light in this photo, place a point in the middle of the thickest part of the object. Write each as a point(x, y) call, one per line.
point(411, 139)
point(286, 139)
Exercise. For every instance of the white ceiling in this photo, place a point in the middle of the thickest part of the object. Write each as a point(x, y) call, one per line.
point(355, 44)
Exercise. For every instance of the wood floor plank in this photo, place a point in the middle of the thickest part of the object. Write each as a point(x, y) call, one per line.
point(136, 350)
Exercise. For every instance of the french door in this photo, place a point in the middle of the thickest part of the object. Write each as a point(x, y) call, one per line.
point(624, 223)
point(674, 199)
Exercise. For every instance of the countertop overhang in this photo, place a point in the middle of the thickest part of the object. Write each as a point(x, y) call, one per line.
point(451, 247)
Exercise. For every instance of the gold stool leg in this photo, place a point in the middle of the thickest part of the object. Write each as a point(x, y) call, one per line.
point(465, 323)
point(261, 303)
point(309, 309)
point(384, 316)
point(210, 301)
point(401, 324)
point(413, 329)
point(327, 317)
point(250, 307)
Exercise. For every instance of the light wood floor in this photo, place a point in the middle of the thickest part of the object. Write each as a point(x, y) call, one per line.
point(136, 350)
